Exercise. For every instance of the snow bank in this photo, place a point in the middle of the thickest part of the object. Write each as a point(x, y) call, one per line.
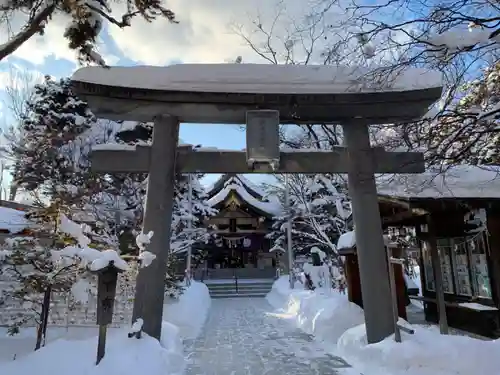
point(326, 315)
point(74, 351)
point(190, 312)
point(14, 221)
point(424, 353)
point(77, 357)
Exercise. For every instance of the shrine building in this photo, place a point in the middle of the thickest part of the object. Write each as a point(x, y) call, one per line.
point(244, 219)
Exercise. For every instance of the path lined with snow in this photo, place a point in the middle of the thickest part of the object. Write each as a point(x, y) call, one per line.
point(244, 337)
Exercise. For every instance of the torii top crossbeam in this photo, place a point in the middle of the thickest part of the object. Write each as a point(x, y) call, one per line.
point(222, 93)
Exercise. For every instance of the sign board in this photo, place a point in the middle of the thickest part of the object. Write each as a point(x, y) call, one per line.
point(106, 292)
point(262, 132)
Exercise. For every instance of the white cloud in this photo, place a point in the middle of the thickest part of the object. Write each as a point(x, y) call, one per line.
point(39, 47)
point(203, 33)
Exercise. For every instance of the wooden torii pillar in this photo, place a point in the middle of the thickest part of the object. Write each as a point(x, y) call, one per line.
point(193, 93)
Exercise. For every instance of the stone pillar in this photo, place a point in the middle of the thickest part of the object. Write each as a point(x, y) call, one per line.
point(372, 257)
point(150, 287)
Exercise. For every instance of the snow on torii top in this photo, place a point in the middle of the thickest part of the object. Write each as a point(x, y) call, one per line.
point(259, 78)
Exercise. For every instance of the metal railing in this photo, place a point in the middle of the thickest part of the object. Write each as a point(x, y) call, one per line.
point(235, 281)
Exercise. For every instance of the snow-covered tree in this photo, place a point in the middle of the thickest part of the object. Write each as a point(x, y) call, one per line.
point(51, 161)
point(45, 159)
point(467, 130)
point(34, 270)
point(460, 39)
point(319, 210)
point(84, 21)
point(34, 277)
point(182, 212)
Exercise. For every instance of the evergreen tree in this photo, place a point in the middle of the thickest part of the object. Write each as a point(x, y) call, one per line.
point(45, 161)
point(181, 239)
point(52, 161)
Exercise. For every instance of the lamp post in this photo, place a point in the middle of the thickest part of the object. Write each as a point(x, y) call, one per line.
point(289, 233)
point(190, 230)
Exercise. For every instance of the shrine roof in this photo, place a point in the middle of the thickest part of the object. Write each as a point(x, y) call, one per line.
point(237, 184)
point(252, 188)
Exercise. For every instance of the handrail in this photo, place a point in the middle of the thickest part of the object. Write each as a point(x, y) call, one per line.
point(235, 280)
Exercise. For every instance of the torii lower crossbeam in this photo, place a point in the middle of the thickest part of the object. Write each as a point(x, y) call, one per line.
point(189, 160)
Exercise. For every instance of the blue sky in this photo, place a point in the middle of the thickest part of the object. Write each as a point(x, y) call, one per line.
point(210, 135)
point(49, 55)
point(207, 32)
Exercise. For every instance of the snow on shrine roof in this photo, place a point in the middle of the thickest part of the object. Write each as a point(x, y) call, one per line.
point(257, 78)
point(235, 184)
point(228, 178)
point(462, 181)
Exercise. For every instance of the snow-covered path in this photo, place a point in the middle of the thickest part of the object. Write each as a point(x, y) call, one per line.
point(244, 337)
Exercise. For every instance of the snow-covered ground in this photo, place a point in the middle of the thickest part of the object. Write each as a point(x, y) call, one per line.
point(73, 350)
point(246, 336)
point(338, 325)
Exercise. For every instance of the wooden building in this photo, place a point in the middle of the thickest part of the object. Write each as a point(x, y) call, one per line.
point(346, 247)
point(244, 219)
point(457, 213)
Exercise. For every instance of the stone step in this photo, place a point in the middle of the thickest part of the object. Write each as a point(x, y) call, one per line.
point(238, 295)
point(240, 291)
point(240, 286)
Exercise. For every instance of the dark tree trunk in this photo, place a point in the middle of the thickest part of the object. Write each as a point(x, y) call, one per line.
point(44, 318)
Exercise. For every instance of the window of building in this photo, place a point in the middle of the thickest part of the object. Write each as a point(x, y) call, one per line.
point(479, 266)
point(463, 265)
point(444, 249)
point(429, 276)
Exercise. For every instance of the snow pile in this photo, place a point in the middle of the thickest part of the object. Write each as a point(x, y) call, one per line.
point(76, 354)
point(326, 315)
point(96, 259)
point(123, 356)
point(320, 275)
point(145, 257)
point(14, 221)
point(106, 258)
point(190, 311)
point(424, 353)
point(347, 240)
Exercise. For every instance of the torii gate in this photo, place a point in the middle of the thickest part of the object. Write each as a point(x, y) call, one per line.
point(262, 97)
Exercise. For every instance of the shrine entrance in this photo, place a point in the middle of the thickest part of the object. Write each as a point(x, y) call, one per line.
point(262, 97)
point(244, 219)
